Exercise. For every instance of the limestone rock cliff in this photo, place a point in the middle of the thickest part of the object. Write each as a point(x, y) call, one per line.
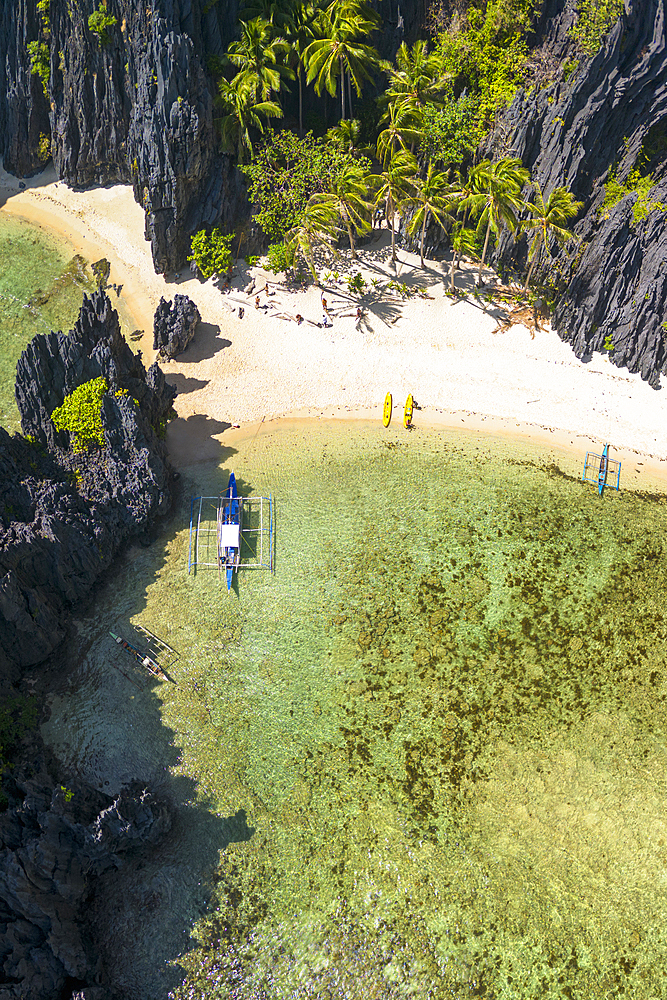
point(610, 114)
point(63, 516)
point(55, 842)
point(137, 108)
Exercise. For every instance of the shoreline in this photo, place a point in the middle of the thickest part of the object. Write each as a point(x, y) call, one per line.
point(639, 472)
point(463, 369)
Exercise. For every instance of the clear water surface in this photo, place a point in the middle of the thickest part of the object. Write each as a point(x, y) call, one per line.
point(426, 758)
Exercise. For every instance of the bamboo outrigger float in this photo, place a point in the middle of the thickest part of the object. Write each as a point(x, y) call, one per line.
point(231, 532)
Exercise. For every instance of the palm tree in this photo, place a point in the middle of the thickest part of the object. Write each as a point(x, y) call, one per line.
point(258, 55)
point(499, 199)
point(418, 79)
point(472, 186)
point(350, 190)
point(347, 132)
point(434, 197)
point(395, 185)
point(299, 33)
point(463, 241)
point(402, 128)
point(336, 51)
point(239, 99)
point(549, 220)
point(276, 12)
point(319, 225)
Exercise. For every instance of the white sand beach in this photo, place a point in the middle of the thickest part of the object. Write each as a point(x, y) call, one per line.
point(463, 370)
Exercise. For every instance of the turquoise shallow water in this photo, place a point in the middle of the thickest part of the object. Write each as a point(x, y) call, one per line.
point(426, 758)
point(42, 283)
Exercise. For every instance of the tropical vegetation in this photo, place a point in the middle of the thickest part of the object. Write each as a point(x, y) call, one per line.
point(81, 414)
point(211, 252)
point(414, 158)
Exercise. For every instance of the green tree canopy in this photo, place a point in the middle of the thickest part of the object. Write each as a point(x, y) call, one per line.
point(350, 191)
point(211, 252)
point(449, 135)
point(318, 226)
point(403, 128)
point(395, 186)
point(499, 199)
point(259, 55)
point(285, 171)
point(417, 78)
point(81, 414)
point(485, 52)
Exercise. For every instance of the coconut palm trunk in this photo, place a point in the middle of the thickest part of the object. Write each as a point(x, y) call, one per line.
point(486, 246)
point(460, 251)
point(349, 94)
point(300, 101)
point(350, 235)
point(421, 248)
point(530, 269)
point(390, 212)
point(342, 88)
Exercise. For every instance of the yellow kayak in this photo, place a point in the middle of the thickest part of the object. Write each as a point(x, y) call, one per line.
point(407, 413)
point(386, 413)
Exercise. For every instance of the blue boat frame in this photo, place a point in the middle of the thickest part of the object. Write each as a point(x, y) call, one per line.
point(601, 471)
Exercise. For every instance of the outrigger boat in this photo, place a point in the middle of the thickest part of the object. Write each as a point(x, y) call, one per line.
point(230, 517)
point(146, 661)
point(601, 470)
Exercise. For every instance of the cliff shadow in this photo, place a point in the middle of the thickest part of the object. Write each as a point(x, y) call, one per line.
point(110, 725)
point(193, 439)
point(183, 385)
point(206, 344)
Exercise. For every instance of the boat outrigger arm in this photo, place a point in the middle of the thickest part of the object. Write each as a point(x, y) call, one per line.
point(231, 533)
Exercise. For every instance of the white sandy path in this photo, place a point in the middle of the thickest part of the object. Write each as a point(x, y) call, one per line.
point(445, 352)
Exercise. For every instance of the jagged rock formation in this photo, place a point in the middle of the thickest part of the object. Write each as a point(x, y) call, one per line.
point(573, 132)
point(174, 325)
point(55, 842)
point(138, 109)
point(63, 516)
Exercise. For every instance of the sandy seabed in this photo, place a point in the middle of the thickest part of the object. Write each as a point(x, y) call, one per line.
point(462, 368)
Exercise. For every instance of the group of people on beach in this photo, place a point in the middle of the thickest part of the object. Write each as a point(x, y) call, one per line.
point(327, 320)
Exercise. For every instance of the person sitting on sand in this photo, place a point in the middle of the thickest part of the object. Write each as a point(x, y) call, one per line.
point(266, 289)
point(326, 319)
point(299, 319)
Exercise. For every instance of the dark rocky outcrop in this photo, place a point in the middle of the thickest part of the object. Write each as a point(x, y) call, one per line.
point(55, 842)
point(63, 515)
point(573, 132)
point(174, 325)
point(137, 109)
